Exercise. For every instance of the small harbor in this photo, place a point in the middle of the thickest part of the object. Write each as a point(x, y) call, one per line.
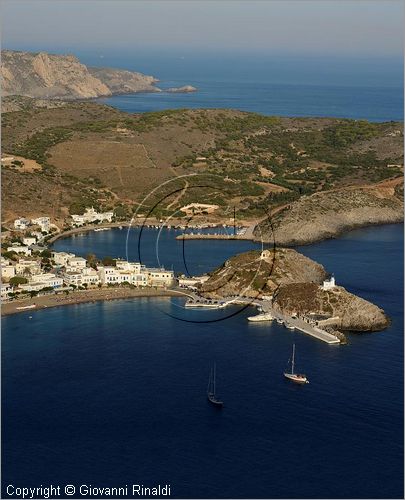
point(268, 313)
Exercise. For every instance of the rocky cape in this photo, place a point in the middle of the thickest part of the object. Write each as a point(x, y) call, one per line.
point(293, 281)
point(182, 90)
point(328, 214)
point(49, 76)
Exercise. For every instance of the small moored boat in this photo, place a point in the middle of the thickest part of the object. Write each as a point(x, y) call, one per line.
point(298, 378)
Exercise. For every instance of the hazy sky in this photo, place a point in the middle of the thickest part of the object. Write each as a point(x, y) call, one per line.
point(312, 27)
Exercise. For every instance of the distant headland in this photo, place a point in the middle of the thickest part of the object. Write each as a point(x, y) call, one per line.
point(52, 76)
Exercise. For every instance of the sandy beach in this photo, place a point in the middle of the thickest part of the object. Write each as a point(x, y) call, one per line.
point(82, 296)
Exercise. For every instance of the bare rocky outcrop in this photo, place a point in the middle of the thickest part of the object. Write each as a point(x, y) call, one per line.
point(120, 81)
point(253, 274)
point(294, 282)
point(353, 313)
point(182, 90)
point(327, 214)
point(50, 76)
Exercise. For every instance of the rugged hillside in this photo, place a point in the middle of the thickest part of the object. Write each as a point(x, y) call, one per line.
point(120, 81)
point(253, 274)
point(252, 162)
point(293, 280)
point(355, 313)
point(327, 214)
point(52, 76)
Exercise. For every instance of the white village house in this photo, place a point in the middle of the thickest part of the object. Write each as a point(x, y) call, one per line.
point(75, 264)
point(5, 290)
point(41, 281)
point(17, 248)
point(329, 284)
point(160, 277)
point(192, 281)
point(91, 215)
point(113, 276)
point(21, 223)
point(24, 266)
point(29, 240)
point(86, 276)
point(7, 269)
point(61, 258)
point(43, 222)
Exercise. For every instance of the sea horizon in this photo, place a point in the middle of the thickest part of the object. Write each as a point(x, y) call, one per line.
point(357, 87)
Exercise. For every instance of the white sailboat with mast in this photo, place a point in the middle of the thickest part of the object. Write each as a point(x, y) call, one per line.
point(212, 398)
point(298, 378)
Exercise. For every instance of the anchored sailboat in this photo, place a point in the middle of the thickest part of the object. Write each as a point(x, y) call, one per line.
point(211, 388)
point(299, 378)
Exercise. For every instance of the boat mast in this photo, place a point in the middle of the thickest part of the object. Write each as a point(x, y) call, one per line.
point(293, 360)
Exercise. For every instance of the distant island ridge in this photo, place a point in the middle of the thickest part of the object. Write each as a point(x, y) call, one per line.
point(51, 76)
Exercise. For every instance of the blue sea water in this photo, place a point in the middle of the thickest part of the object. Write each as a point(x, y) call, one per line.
point(374, 104)
point(369, 89)
point(113, 393)
point(155, 249)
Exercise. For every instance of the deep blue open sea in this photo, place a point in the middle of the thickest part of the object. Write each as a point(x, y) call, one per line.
point(113, 393)
point(357, 88)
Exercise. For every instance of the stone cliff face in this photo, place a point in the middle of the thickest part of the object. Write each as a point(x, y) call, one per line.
point(293, 281)
point(327, 214)
point(51, 76)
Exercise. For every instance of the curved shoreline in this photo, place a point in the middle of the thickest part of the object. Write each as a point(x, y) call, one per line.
point(336, 235)
point(84, 229)
point(250, 237)
point(82, 297)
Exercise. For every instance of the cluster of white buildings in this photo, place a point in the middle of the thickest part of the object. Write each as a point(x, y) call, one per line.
point(21, 268)
point(91, 215)
point(23, 224)
point(30, 269)
point(77, 273)
point(24, 248)
point(71, 271)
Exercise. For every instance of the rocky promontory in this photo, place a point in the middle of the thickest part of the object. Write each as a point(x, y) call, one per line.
point(51, 76)
point(120, 81)
point(295, 284)
point(327, 214)
point(179, 90)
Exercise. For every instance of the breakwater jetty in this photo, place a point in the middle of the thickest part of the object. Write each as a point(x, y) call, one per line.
point(269, 313)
